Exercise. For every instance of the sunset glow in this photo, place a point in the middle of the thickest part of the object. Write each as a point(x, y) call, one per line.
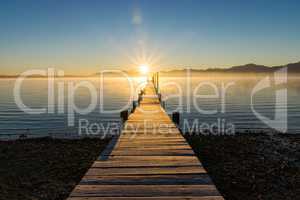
point(144, 69)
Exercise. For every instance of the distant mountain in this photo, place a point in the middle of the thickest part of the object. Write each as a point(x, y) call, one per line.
point(293, 67)
point(119, 73)
point(248, 68)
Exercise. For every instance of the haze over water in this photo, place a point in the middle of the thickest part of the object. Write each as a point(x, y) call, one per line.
point(117, 96)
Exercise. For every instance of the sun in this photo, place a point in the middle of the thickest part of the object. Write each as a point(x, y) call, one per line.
point(144, 69)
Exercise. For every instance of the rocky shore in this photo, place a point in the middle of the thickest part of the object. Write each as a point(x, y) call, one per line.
point(252, 166)
point(44, 169)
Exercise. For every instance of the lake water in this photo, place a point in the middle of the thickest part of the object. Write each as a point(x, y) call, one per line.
point(233, 107)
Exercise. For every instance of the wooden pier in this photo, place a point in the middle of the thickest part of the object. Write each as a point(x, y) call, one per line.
point(151, 160)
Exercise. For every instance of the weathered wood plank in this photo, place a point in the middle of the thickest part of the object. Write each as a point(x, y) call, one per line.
point(178, 179)
point(144, 190)
point(138, 161)
point(146, 170)
point(186, 159)
point(151, 143)
point(152, 140)
point(141, 137)
point(150, 198)
point(179, 147)
point(151, 152)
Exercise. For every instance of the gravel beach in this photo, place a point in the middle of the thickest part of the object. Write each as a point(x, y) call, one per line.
point(252, 166)
point(44, 169)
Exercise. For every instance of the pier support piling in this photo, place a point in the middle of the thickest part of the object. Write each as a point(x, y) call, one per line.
point(176, 118)
point(124, 115)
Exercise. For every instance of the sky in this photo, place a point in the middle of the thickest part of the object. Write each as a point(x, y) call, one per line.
point(88, 36)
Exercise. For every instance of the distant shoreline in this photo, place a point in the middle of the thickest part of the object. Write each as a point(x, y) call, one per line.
point(293, 68)
point(173, 73)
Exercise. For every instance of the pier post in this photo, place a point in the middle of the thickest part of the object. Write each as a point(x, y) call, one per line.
point(153, 79)
point(134, 104)
point(157, 82)
point(163, 104)
point(139, 97)
point(176, 118)
point(23, 136)
point(124, 115)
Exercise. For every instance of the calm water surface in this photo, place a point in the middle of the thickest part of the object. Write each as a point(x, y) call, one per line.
point(178, 92)
point(236, 103)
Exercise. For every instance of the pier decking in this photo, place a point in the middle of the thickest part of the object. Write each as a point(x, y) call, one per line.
point(151, 160)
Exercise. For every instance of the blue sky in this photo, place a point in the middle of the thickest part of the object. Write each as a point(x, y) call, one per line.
point(87, 36)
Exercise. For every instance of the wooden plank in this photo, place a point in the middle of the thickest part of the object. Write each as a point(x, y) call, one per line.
point(150, 198)
point(145, 137)
point(178, 179)
point(141, 164)
point(149, 133)
point(144, 190)
point(148, 121)
point(160, 130)
point(179, 147)
point(154, 127)
point(152, 139)
point(153, 152)
point(156, 158)
point(146, 170)
point(152, 145)
point(137, 161)
point(162, 121)
point(152, 142)
point(149, 117)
